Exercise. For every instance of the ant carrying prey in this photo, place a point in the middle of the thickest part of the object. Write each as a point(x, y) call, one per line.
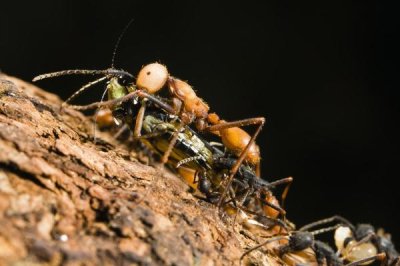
point(182, 102)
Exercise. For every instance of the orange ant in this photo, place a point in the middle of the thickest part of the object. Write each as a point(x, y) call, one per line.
point(185, 104)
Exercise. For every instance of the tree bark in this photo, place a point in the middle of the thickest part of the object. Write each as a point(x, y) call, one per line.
point(66, 200)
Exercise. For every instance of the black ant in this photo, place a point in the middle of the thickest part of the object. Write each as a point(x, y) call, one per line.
point(299, 247)
point(359, 241)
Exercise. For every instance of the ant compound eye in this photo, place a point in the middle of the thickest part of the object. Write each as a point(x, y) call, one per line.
point(152, 77)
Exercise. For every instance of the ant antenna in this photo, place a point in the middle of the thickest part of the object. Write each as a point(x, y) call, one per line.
point(111, 72)
point(82, 89)
point(187, 160)
point(337, 218)
point(324, 230)
point(119, 40)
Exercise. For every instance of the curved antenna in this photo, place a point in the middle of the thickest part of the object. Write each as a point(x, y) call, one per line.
point(324, 230)
point(335, 218)
point(82, 89)
point(110, 71)
point(187, 160)
point(119, 40)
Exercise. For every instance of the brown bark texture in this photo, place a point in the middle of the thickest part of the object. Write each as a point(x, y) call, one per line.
point(66, 200)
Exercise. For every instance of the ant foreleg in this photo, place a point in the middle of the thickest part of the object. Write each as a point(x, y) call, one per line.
point(139, 120)
point(137, 93)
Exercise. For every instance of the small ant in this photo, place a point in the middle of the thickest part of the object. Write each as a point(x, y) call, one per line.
point(360, 241)
point(300, 245)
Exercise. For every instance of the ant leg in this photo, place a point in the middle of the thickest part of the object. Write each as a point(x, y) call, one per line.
point(172, 143)
point(139, 121)
point(168, 108)
point(238, 123)
point(258, 169)
point(285, 193)
point(269, 240)
point(109, 103)
point(137, 93)
point(288, 181)
point(174, 138)
point(120, 131)
point(275, 207)
point(275, 221)
point(97, 111)
point(234, 202)
point(328, 220)
point(252, 121)
point(380, 256)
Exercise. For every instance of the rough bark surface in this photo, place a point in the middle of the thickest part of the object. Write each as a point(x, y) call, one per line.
point(65, 200)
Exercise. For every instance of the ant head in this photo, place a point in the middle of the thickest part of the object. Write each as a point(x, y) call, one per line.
point(301, 240)
point(152, 77)
point(363, 230)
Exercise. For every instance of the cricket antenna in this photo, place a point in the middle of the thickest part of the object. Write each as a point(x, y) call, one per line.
point(119, 40)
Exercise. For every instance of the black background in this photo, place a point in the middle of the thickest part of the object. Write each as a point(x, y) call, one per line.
point(323, 74)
